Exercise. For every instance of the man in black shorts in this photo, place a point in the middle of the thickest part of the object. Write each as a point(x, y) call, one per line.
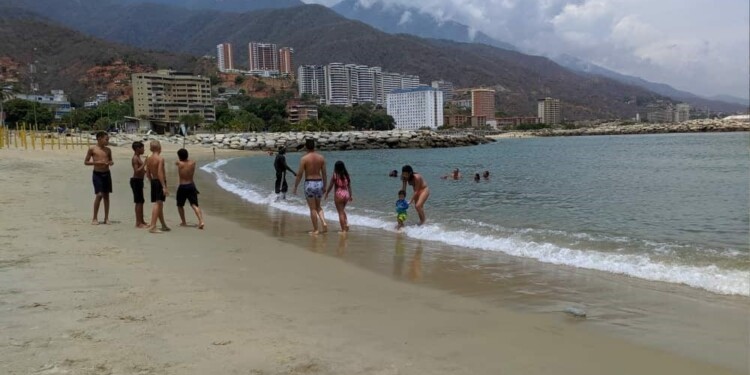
point(187, 190)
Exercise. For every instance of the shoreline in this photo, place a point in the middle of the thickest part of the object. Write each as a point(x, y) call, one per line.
point(532, 286)
point(233, 298)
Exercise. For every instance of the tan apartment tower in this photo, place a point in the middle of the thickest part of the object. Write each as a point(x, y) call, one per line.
point(548, 111)
point(167, 95)
point(483, 103)
point(286, 62)
point(225, 57)
point(263, 57)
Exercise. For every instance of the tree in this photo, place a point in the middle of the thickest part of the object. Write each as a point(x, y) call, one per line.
point(19, 110)
point(239, 80)
point(191, 121)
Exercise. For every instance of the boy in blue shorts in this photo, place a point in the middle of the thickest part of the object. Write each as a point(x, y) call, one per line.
point(401, 206)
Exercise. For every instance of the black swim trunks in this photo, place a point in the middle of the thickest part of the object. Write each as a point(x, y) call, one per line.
point(157, 192)
point(102, 182)
point(187, 192)
point(136, 184)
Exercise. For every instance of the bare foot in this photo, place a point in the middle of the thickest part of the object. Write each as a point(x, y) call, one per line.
point(314, 232)
point(94, 222)
point(165, 229)
point(201, 225)
point(141, 226)
point(106, 222)
point(325, 228)
point(155, 230)
point(183, 224)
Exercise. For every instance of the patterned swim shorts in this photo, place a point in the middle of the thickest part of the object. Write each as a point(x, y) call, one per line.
point(314, 189)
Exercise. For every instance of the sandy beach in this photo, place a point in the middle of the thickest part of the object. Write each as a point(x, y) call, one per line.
point(231, 299)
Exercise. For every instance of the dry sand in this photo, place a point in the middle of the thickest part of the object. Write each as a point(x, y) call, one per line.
point(111, 299)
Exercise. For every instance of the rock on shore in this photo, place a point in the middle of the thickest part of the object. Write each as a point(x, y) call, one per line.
point(326, 141)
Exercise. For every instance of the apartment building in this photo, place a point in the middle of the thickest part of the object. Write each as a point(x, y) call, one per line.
point(263, 57)
point(311, 80)
point(446, 87)
point(337, 84)
point(416, 108)
point(286, 63)
point(549, 110)
point(483, 103)
point(168, 95)
point(225, 57)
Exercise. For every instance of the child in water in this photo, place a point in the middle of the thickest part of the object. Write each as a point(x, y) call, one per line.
point(401, 206)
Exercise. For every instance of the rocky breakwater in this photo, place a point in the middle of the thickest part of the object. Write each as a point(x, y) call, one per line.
point(328, 141)
point(617, 128)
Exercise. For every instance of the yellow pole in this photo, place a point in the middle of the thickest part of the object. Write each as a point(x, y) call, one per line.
point(33, 139)
point(43, 136)
point(23, 137)
point(65, 137)
point(59, 146)
point(15, 137)
point(2, 135)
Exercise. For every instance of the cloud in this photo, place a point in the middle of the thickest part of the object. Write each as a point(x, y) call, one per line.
point(405, 18)
point(698, 45)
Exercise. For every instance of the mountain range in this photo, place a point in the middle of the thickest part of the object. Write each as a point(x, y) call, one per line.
point(393, 18)
point(223, 5)
point(66, 58)
point(319, 36)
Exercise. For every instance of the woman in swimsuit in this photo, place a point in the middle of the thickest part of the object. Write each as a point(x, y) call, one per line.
point(343, 193)
point(421, 191)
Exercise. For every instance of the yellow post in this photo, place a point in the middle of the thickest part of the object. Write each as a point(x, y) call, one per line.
point(66, 141)
point(2, 137)
point(15, 137)
point(59, 146)
point(88, 141)
point(43, 136)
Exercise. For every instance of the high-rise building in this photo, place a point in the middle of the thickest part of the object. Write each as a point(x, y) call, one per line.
point(548, 109)
point(387, 82)
point(263, 57)
point(311, 79)
point(682, 112)
point(225, 57)
point(168, 95)
point(286, 63)
point(337, 84)
point(483, 103)
point(366, 85)
point(446, 87)
point(409, 81)
point(416, 108)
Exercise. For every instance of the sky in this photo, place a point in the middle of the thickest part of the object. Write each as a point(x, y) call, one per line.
point(701, 46)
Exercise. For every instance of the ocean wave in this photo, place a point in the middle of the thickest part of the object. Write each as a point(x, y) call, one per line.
point(711, 278)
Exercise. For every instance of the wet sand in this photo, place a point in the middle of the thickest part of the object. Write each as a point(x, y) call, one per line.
point(252, 295)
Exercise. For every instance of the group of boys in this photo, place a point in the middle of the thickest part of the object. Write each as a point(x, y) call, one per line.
point(100, 157)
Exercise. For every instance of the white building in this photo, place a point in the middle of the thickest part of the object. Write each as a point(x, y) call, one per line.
point(337, 84)
point(311, 80)
point(416, 108)
point(224, 57)
point(57, 101)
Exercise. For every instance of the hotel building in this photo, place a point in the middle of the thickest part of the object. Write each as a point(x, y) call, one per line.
point(168, 95)
point(483, 103)
point(416, 108)
point(548, 110)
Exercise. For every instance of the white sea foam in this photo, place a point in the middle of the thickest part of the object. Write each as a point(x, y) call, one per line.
point(711, 278)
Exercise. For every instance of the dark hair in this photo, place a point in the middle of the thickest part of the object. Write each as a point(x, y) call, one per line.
point(137, 145)
point(402, 192)
point(407, 169)
point(100, 135)
point(182, 154)
point(282, 150)
point(340, 169)
point(310, 144)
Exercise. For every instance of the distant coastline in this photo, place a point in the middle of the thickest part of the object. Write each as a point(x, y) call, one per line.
point(619, 128)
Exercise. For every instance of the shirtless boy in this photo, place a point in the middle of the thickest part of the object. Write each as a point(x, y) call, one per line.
point(421, 191)
point(313, 166)
point(187, 190)
point(136, 183)
point(155, 172)
point(100, 156)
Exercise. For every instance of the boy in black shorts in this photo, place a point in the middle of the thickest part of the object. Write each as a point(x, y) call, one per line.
point(136, 183)
point(187, 191)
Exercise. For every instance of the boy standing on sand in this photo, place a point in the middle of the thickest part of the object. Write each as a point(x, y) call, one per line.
point(313, 167)
point(187, 190)
point(100, 156)
point(136, 183)
point(155, 172)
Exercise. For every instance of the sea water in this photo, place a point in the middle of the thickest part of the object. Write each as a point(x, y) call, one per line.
point(669, 208)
